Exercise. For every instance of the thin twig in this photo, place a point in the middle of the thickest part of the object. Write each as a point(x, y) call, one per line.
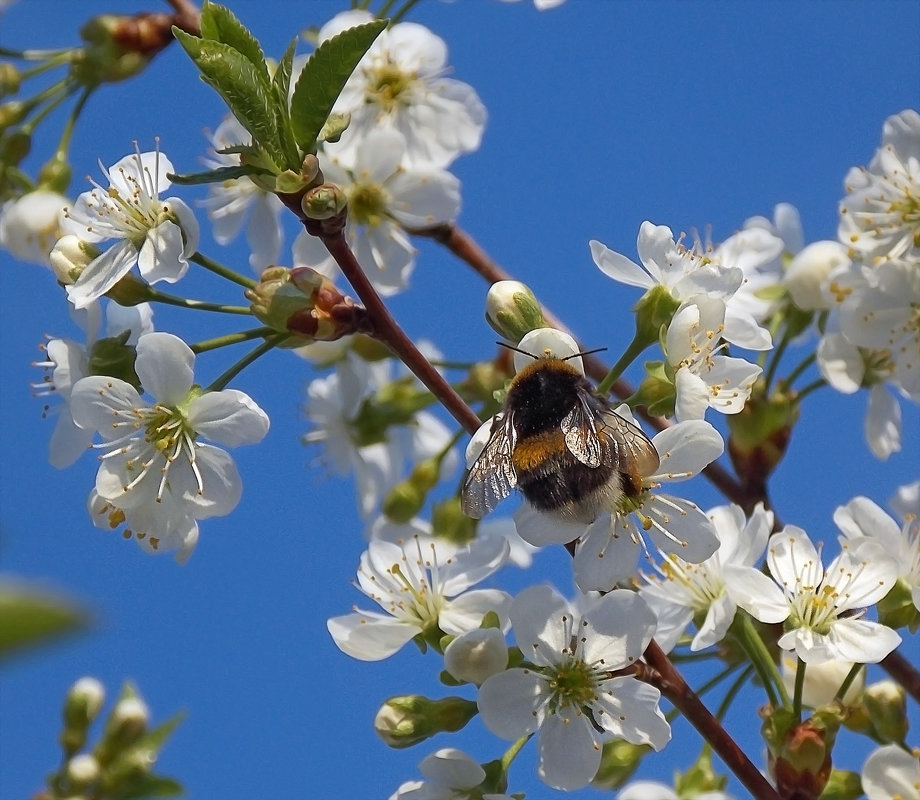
point(665, 677)
point(903, 672)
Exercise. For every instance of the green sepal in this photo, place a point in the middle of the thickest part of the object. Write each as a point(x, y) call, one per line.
point(324, 76)
point(242, 86)
point(657, 391)
point(218, 175)
point(28, 618)
point(219, 24)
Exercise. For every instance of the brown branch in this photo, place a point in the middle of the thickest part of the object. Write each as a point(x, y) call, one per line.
point(903, 672)
point(665, 677)
point(464, 247)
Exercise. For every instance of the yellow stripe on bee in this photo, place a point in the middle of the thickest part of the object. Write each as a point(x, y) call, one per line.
point(532, 453)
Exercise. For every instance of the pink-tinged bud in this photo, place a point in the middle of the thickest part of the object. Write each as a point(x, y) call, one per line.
point(799, 753)
point(119, 46)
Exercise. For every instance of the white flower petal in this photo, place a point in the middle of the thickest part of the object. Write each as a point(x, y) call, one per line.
point(165, 365)
point(619, 267)
point(102, 273)
point(511, 703)
point(228, 417)
point(369, 636)
point(756, 593)
point(569, 755)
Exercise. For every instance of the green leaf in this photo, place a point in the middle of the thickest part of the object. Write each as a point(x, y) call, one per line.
point(219, 24)
point(323, 77)
point(237, 81)
point(147, 785)
point(29, 617)
point(218, 175)
point(281, 88)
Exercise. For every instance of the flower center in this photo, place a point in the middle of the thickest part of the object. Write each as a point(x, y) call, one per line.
point(574, 684)
point(388, 86)
point(367, 204)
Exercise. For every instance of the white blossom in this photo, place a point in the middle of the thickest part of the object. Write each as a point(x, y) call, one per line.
point(682, 591)
point(703, 376)
point(399, 85)
point(822, 609)
point(450, 775)
point(421, 585)
point(31, 224)
point(157, 235)
point(386, 199)
point(377, 457)
point(891, 774)
point(69, 361)
point(861, 518)
point(154, 472)
point(232, 203)
point(685, 273)
point(880, 216)
point(568, 690)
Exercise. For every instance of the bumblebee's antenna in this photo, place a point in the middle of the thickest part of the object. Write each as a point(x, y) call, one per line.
point(574, 355)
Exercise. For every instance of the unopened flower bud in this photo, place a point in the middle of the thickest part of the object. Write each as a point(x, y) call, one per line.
point(448, 522)
point(800, 752)
point(10, 79)
point(15, 145)
point(119, 46)
point(410, 719)
point(808, 271)
point(114, 357)
point(55, 173)
point(30, 225)
point(324, 202)
point(842, 785)
point(70, 256)
point(897, 608)
point(81, 707)
point(82, 770)
point(653, 310)
point(512, 310)
point(334, 127)
point(886, 705)
point(822, 680)
point(131, 290)
point(13, 113)
point(406, 499)
point(476, 655)
point(619, 760)
point(126, 724)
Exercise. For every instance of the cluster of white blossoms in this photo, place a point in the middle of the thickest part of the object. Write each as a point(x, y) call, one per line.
point(869, 284)
point(712, 313)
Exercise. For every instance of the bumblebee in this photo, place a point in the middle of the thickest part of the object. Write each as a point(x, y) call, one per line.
point(561, 445)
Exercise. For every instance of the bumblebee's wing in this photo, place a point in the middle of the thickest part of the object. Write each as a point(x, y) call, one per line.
point(596, 435)
point(492, 476)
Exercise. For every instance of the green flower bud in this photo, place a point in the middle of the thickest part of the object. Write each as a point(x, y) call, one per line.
point(407, 720)
point(700, 778)
point(324, 202)
point(81, 707)
point(131, 290)
point(896, 609)
point(654, 310)
point(119, 46)
point(10, 79)
point(657, 390)
point(886, 705)
point(334, 127)
point(115, 358)
point(448, 522)
point(512, 310)
point(619, 760)
point(799, 752)
point(55, 173)
point(13, 113)
point(125, 726)
point(81, 772)
point(15, 145)
point(842, 785)
point(406, 499)
point(760, 433)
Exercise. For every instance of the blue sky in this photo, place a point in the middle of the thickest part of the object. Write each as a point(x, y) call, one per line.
point(601, 115)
